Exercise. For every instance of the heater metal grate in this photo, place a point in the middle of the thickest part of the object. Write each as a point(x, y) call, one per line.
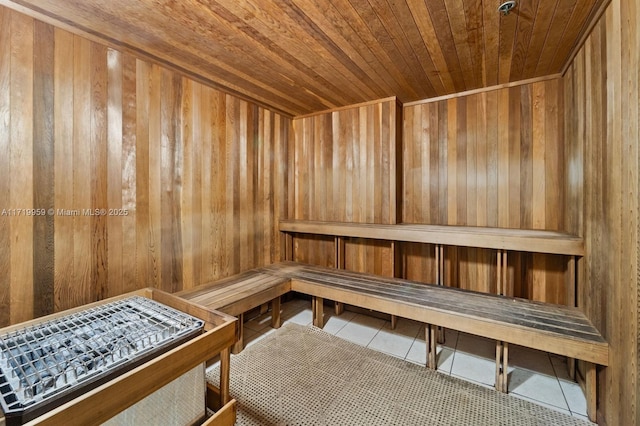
point(41, 363)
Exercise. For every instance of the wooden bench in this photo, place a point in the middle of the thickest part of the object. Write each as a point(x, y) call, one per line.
point(552, 328)
point(240, 293)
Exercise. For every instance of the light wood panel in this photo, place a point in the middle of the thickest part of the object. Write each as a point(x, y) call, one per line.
point(191, 181)
point(344, 169)
point(602, 99)
point(300, 57)
point(488, 159)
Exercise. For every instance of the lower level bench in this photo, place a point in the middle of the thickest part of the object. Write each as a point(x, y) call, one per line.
point(552, 328)
point(240, 293)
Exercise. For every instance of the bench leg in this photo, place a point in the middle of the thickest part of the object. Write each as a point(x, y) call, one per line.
point(239, 345)
point(571, 368)
point(318, 311)
point(264, 308)
point(276, 322)
point(590, 390)
point(440, 335)
point(225, 368)
point(430, 338)
point(502, 366)
point(394, 322)
point(339, 308)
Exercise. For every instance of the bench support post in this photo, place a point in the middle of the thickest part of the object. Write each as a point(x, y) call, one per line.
point(225, 368)
point(318, 311)
point(275, 313)
point(430, 338)
point(590, 390)
point(394, 322)
point(239, 345)
point(440, 281)
point(502, 366)
point(340, 263)
point(264, 308)
point(572, 301)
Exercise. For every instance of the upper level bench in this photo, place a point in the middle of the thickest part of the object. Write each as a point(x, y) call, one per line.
point(500, 239)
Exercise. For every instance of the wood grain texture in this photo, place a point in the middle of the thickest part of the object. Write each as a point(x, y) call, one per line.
point(299, 57)
point(191, 182)
point(5, 163)
point(602, 162)
point(345, 170)
point(43, 171)
point(487, 159)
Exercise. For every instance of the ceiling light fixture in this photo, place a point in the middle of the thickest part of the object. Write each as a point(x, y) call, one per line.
point(506, 7)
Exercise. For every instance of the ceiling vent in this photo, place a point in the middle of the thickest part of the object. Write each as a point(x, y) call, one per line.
point(506, 7)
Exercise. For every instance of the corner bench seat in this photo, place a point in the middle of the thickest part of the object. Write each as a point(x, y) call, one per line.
point(556, 329)
point(240, 293)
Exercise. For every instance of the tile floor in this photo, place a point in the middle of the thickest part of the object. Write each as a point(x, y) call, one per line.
point(533, 375)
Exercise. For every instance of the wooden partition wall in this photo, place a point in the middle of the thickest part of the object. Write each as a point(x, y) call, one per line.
point(488, 159)
point(602, 102)
point(142, 177)
point(344, 168)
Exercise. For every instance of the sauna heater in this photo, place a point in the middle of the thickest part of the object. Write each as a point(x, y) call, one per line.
point(43, 366)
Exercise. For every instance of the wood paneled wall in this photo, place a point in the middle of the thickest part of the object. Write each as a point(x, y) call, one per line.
point(200, 176)
point(488, 159)
point(343, 168)
point(602, 100)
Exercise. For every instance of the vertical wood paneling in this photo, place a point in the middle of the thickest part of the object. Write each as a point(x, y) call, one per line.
point(129, 174)
point(115, 244)
point(602, 101)
point(191, 182)
point(43, 171)
point(502, 168)
point(344, 170)
point(64, 177)
point(21, 166)
point(5, 164)
point(98, 138)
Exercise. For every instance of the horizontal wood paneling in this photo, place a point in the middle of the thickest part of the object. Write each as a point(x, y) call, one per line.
point(344, 169)
point(488, 159)
point(602, 100)
point(301, 56)
point(200, 174)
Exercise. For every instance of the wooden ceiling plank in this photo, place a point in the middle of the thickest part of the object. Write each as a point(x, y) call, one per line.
point(388, 60)
point(308, 77)
point(423, 20)
point(230, 41)
point(475, 36)
point(300, 28)
point(563, 12)
point(285, 32)
point(380, 15)
point(526, 12)
point(541, 32)
point(508, 25)
point(582, 21)
point(385, 40)
point(407, 24)
point(450, 22)
point(330, 22)
point(491, 43)
point(311, 18)
point(445, 33)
